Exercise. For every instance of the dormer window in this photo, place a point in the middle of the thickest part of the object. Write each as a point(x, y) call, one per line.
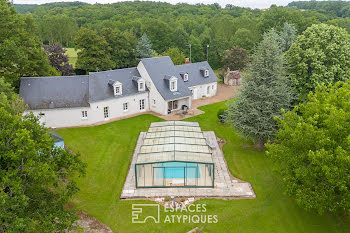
point(117, 87)
point(173, 85)
point(171, 82)
point(185, 77)
point(139, 83)
point(206, 73)
point(117, 90)
point(141, 86)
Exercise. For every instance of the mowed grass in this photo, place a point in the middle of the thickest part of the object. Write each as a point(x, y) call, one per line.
point(72, 56)
point(107, 149)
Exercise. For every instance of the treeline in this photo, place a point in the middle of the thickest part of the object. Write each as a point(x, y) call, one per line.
point(172, 26)
point(336, 8)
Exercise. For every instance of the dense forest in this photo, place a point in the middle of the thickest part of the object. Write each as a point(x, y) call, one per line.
point(337, 8)
point(171, 26)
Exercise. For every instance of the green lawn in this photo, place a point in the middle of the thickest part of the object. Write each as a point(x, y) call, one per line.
point(72, 56)
point(108, 149)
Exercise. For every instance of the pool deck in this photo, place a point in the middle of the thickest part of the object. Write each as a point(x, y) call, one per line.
point(225, 185)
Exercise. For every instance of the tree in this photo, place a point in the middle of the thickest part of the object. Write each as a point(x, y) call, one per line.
point(21, 52)
point(244, 38)
point(57, 29)
point(236, 58)
point(176, 56)
point(312, 150)
point(144, 47)
point(94, 51)
point(122, 46)
point(287, 36)
point(58, 59)
point(35, 176)
point(319, 55)
point(264, 93)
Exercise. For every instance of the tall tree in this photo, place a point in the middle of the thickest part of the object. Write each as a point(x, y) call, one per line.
point(58, 59)
point(122, 44)
point(287, 36)
point(35, 176)
point(176, 55)
point(319, 55)
point(264, 93)
point(144, 47)
point(312, 150)
point(21, 52)
point(244, 38)
point(94, 51)
point(236, 58)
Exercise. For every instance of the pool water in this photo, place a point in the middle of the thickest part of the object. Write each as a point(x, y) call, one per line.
point(177, 170)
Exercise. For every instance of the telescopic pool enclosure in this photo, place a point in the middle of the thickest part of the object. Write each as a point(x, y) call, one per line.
point(174, 154)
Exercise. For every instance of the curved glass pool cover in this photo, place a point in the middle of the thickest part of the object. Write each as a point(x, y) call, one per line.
point(174, 154)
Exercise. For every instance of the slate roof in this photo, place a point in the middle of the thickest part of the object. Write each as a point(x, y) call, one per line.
point(79, 91)
point(158, 68)
point(55, 136)
point(55, 92)
point(195, 76)
point(99, 90)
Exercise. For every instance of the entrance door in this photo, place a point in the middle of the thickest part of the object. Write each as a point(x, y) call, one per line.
point(172, 105)
point(195, 93)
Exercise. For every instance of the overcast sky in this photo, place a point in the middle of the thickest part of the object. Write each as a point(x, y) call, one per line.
point(242, 3)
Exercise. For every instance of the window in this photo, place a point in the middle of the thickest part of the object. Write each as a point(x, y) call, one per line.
point(172, 85)
point(213, 87)
point(206, 73)
point(208, 90)
point(84, 114)
point(106, 112)
point(125, 106)
point(142, 104)
point(141, 86)
point(117, 88)
point(154, 101)
point(185, 77)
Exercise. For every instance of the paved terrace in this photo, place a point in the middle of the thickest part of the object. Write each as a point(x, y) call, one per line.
point(224, 184)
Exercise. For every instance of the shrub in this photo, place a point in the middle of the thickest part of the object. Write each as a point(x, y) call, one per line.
point(221, 115)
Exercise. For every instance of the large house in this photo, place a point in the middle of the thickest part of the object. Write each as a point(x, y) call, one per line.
point(156, 84)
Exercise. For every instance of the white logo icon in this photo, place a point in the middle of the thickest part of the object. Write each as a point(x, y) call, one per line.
point(137, 213)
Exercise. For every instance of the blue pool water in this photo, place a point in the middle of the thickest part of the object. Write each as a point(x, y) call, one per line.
point(177, 170)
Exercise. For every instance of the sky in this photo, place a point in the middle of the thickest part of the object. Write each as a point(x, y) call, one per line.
point(242, 3)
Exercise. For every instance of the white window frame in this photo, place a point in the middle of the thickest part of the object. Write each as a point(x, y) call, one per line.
point(84, 114)
point(206, 73)
point(185, 77)
point(118, 87)
point(213, 87)
point(106, 112)
point(142, 103)
point(208, 90)
point(125, 107)
point(173, 85)
point(154, 101)
point(141, 86)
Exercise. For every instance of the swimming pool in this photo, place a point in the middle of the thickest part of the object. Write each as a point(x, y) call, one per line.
point(177, 170)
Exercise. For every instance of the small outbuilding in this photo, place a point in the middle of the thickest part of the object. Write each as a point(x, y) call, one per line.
point(233, 78)
point(58, 139)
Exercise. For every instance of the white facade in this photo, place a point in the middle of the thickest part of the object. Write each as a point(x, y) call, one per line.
point(205, 90)
point(68, 117)
point(121, 104)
